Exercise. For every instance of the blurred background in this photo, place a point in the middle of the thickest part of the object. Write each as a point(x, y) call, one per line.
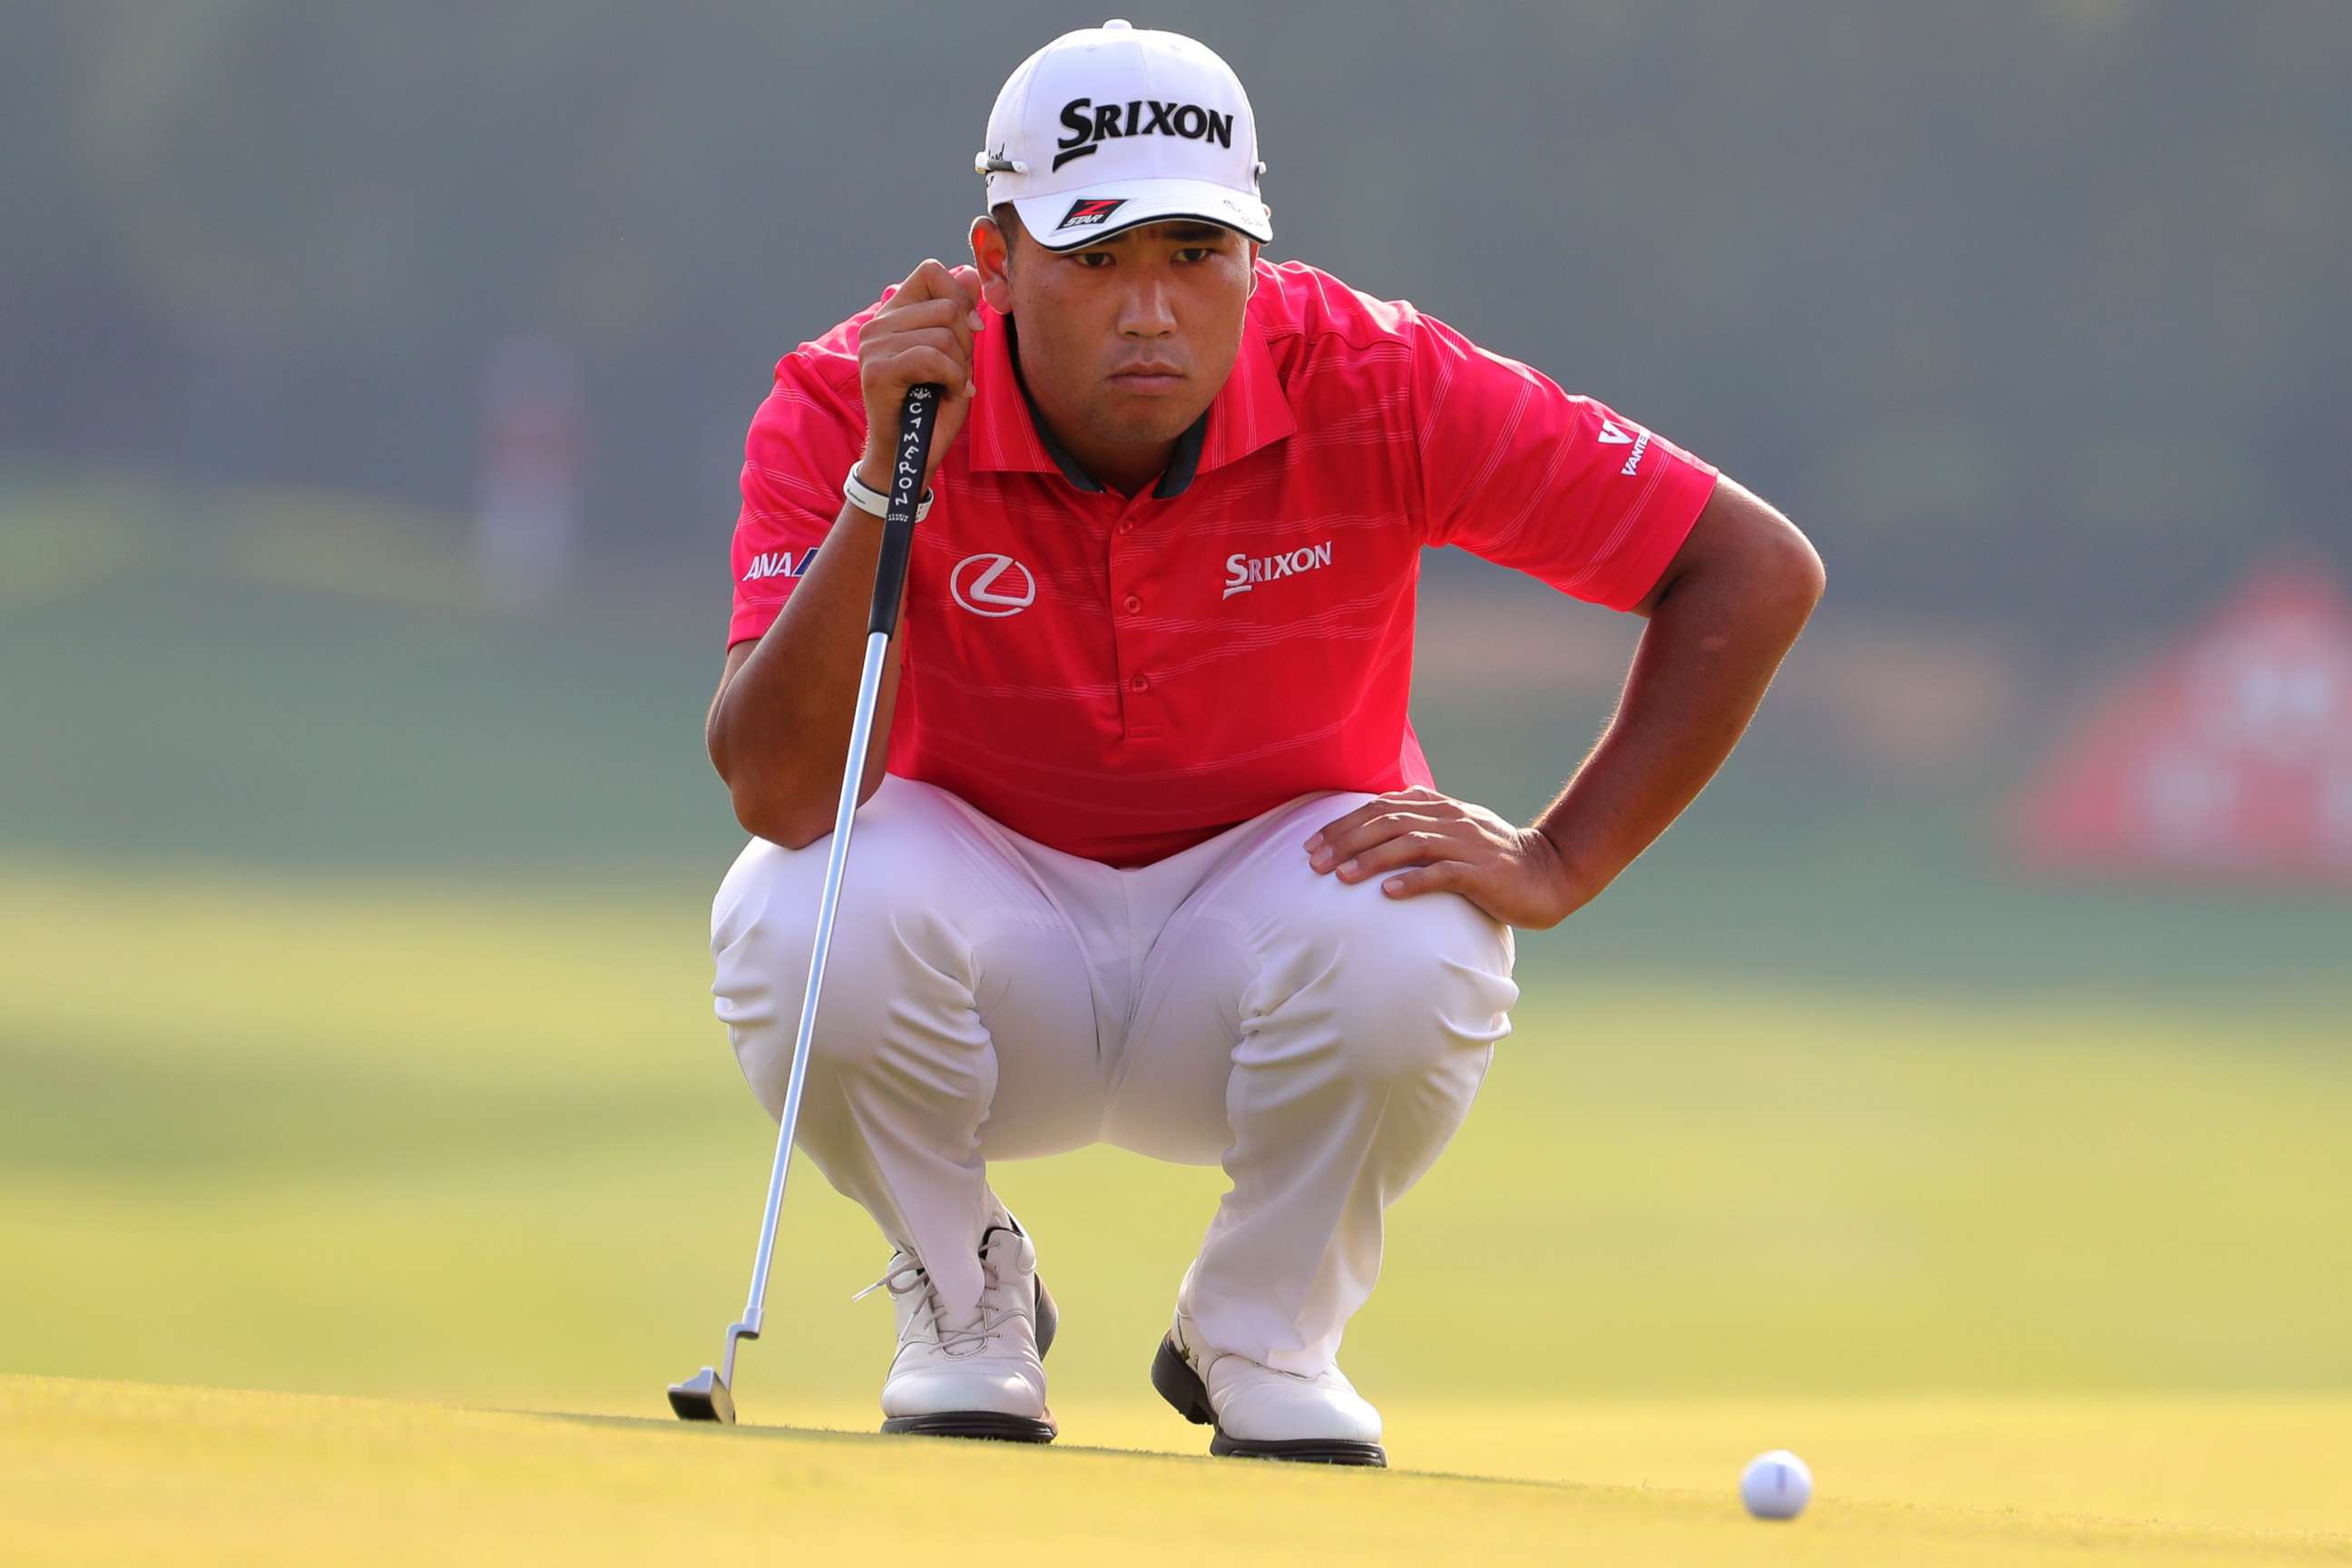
point(372, 382)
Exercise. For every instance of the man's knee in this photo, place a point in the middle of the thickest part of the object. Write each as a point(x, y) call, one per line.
point(1409, 984)
point(891, 936)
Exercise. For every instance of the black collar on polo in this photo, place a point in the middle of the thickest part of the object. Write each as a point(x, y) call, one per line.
point(1183, 462)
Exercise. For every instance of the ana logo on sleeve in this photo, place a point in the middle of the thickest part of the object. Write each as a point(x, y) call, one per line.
point(779, 564)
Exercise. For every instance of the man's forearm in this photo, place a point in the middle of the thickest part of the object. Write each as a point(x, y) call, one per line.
point(1712, 643)
point(778, 730)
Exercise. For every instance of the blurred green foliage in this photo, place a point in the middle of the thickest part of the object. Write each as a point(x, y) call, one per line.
point(278, 679)
point(2032, 312)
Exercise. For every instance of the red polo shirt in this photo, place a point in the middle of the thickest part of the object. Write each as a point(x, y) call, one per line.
point(1121, 679)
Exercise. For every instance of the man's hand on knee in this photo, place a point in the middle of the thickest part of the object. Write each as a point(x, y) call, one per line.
point(1419, 841)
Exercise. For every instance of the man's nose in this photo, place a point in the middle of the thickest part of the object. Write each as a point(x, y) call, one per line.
point(1149, 313)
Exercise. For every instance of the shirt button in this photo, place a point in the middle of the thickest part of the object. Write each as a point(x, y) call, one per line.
point(1133, 603)
point(1140, 683)
point(1126, 525)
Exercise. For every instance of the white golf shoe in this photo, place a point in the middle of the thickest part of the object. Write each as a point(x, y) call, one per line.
point(1259, 1413)
point(983, 1376)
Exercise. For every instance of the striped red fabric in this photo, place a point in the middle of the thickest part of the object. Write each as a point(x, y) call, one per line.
point(1121, 677)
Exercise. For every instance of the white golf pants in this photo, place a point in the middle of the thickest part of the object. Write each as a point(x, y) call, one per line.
point(989, 998)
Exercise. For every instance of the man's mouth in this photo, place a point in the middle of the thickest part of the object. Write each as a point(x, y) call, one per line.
point(1149, 375)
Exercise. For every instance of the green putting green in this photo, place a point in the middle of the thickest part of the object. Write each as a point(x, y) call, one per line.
point(363, 1136)
point(111, 1472)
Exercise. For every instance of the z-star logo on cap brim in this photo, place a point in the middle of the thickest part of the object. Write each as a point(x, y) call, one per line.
point(1087, 212)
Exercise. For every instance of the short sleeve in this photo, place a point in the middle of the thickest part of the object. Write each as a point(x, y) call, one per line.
point(1529, 476)
point(801, 442)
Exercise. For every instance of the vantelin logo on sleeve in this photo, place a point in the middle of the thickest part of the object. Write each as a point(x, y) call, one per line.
point(1610, 436)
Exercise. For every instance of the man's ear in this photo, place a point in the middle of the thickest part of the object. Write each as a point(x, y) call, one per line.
point(992, 256)
point(1252, 264)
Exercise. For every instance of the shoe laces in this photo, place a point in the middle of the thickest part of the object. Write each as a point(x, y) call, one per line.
point(906, 1277)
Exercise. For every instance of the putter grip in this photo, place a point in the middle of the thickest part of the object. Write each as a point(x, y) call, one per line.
point(915, 422)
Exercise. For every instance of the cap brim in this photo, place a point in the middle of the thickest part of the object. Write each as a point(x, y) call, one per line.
point(1083, 214)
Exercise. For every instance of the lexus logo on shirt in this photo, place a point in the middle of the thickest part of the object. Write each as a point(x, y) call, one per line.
point(992, 585)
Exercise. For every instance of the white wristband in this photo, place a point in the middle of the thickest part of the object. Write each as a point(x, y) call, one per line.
point(867, 498)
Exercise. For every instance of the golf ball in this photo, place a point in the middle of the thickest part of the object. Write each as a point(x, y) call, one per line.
point(1776, 1485)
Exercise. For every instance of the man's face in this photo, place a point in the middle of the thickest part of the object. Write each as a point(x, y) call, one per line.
point(1125, 341)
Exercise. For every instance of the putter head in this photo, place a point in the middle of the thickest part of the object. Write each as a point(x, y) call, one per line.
point(703, 1397)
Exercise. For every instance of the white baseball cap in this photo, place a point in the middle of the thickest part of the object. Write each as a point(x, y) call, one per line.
point(1109, 127)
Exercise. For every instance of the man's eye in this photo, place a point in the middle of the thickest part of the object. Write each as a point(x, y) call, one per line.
point(1088, 257)
point(1196, 252)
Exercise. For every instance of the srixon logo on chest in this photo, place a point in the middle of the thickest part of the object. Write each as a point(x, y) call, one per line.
point(1245, 571)
point(1092, 124)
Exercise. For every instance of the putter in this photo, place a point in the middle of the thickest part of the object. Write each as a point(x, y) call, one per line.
point(709, 1395)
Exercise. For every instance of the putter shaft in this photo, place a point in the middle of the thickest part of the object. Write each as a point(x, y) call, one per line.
point(707, 1396)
